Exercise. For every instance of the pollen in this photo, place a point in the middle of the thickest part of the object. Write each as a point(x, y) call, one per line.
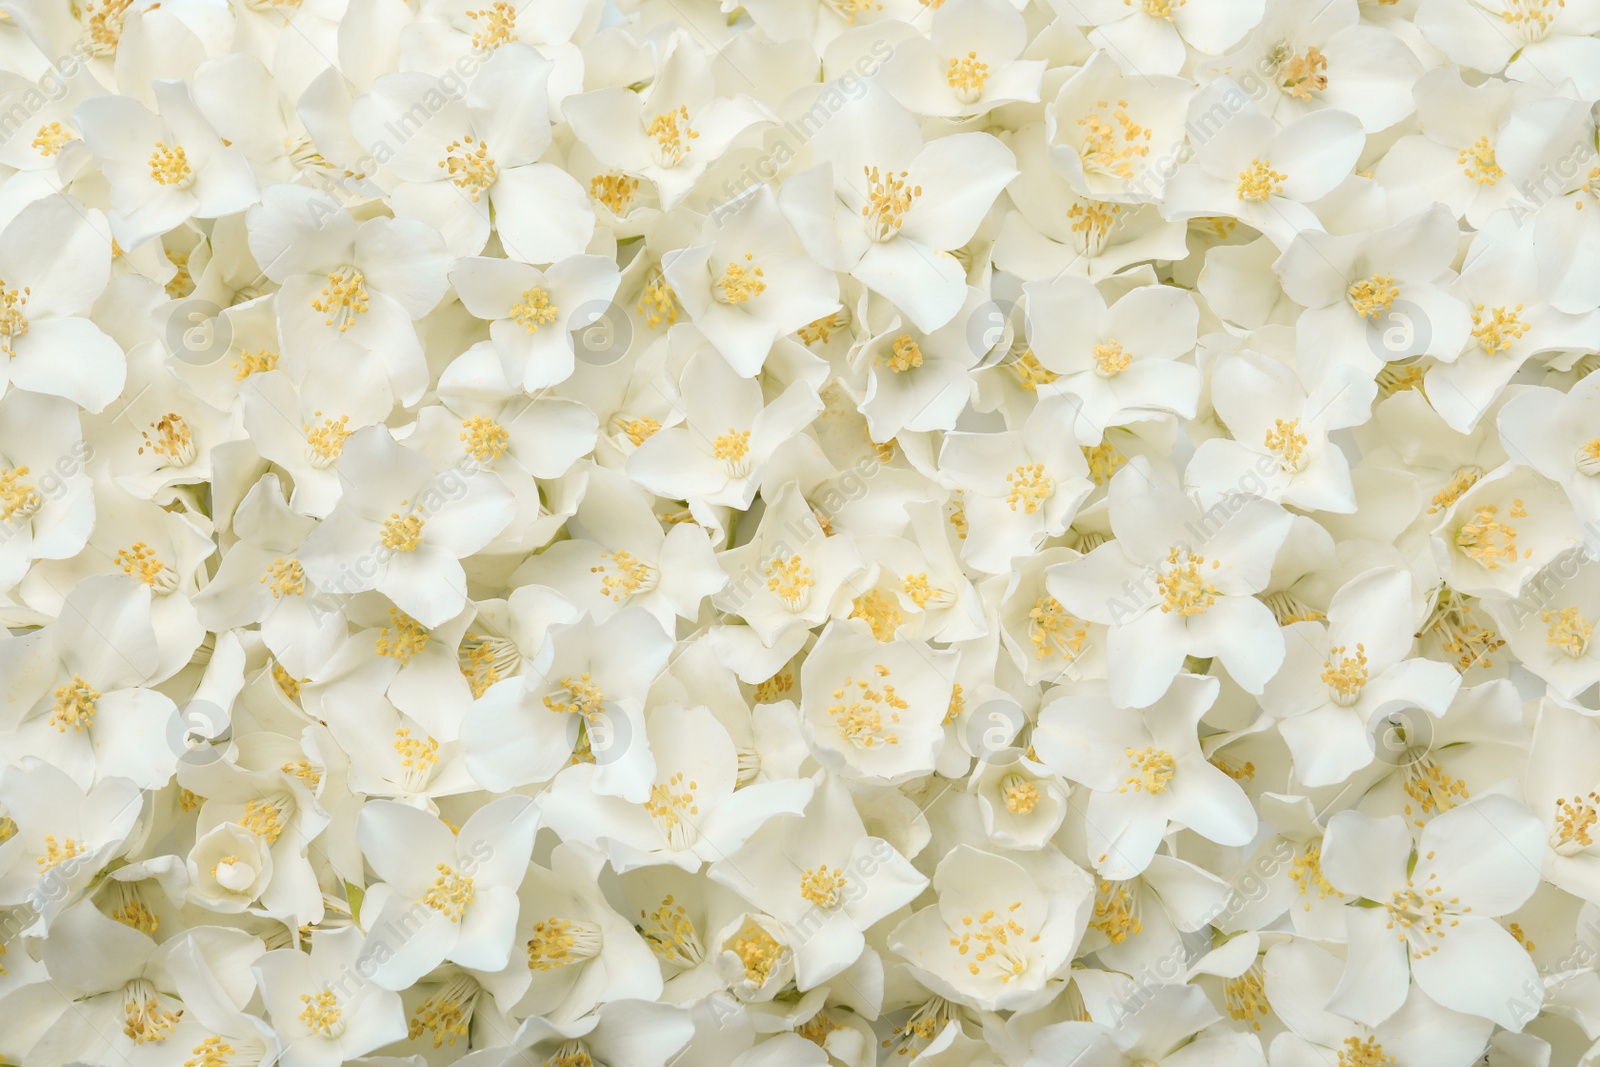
point(1091, 223)
point(56, 853)
point(1259, 182)
point(13, 323)
point(1110, 146)
point(731, 447)
point(416, 754)
point(790, 579)
point(1021, 796)
point(1371, 297)
point(1488, 540)
point(672, 135)
point(321, 1014)
point(759, 952)
point(533, 310)
point(172, 440)
point(1568, 630)
point(906, 354)
point(1152, 769)
point(75, 704)
point(1463, 479)
point(1499, 329)
point(615, 191)
point(284, 577)
point(867, 713)
point(1246, 996)
point(628, 575)
point(1110, 359)
point(51, 138)
point(1345, 675)
point(823, 887)
point(403, 638)
point(967, 75)
point(1028, 488)
point(1478, 162)
point(264, 818)
point(342, 299)
point(469, 166)
point(18, 499)
point(143, 1020)
point(447, 1014)
point(638, 430)
point(450, 894)
point(1053, 631)
point(888, 200)
point(1286, 442)
point(1031, 373)
point(658, 304)
point(402, 533)
point(499, 26)
point(484, 439)
point(1304, 73)
point(170, 166)
point(558, 943)
point(255, 362)
point(1306, 873)
point(1183, 590)
point(881, 614)
point(325, 440)
point(583, 697)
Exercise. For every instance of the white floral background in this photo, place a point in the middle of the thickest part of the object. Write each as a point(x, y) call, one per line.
point(958, 533)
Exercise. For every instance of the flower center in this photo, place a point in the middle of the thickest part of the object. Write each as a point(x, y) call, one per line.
point(558, 943)
point(50, 139)
point(1111, 145)
point(1431, 787)
point(1344, 675)
point(670, 933)
point(1303, 73)
point(658, 303)
point(1110, 359)
point(1054, 632)
point(284, 577)
point(966, 76)
point(74, 705)
point(233, 874)
point(447, 1014)
point(637, 430)
point(499, 27)
point(1286, 442)
point(265, 817)
point(533, 310)
point(1568, 630)
point(170, 166)
point(1030, 487)
point(866, 714)
point(1091, 224)
point(1246, 996)
point(820, 331)
point(13, 323)
point(1587, 461)
point(579, 696)
point(1531, 18)
point(418, 757)
point(1031, 373)
point(671, 133)
point(326, 441)
point(142, 1017)
point(1259, 182)
point(1020, 795)
point(849, 9)
point(906, 354)
point(615, 191)
point(920, 588)
point(759, 952)
point(739, 284)
point(173, 440)
point(823, 887)
point(888, 200)
point(632, 576)
point(1287, 608)
point(1152, 769)
point(56, 854)
point(321, 1014)
point(1463, 479)
point(1487, 539)
point(733, 448)
point(18, 499)
point(1182, 589)
point(103, 27)
point(255, 362)
point(404, 641)
point(468, 164)
point(1422, 914)
point(1497, 331)
point(881, 613)
point(1478, 162)
point(1157, 9)
point(450, 893)
point(485, 660)
point(790, 579)
point(669, 804)
point(342, 299)
point(402, 534)
point(484, 439)
point(991, 936)
point(1306, 873)
point(1574, 818)
point(1371, 297)
point(212, 1052)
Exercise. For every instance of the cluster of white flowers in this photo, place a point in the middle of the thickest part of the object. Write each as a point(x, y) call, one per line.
point(799, 533)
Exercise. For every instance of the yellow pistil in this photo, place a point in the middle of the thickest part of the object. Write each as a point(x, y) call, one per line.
point(450, 894)
point(1110, 359)
point(321, 1014)
point(583, 697)
point(1111, 145)
point(468, 165)
point(1463, 479)
point(137, 914)
point(671, 133)
point(629, 575)
point(284, 577)
point(416, 754)
point(658, 303)
point(739, 284)
point(484, 439)
point(1478, 162)
point(732, 447)
point(56, 854)
point(264, 818)
point(304, 770)
point(670, 933)
point(790, 579)
point(1497, 331)
point(1091, 224)
point(967, 75)
point(18, 499)
point(13, 323)
point(1259, 182)
point(1157, 9)
point(75, 703)
point(1364, 1052)
point(823, 887)
point(51, 138)
point(1306, 873)
point(1103, 461)
point(1345, 675)
point(1371, 297)
point(1286, 442)
point(888, 200)
point(1246, 996)
point(255, 362)
point(447, 1014)
point(1031, 373)
point(1152, 769)
point(402, 533)
point(849, 9)
point(820, 331)
point(866, 715)
point(1054, 632)
point(1488, 540)
point(1021, 795)
point(342, 299)
point(533, 310)
point(994, 937)
point(212, 1052)
point(143, 1019)
point(906, 354)
point(173, 440)
point(558, 943)
point(1568, 630)
point(880, 613)
point(500, 26)
point(325, 440)
point(103, 25)
point(759, 952)
point(1304, 73)
point(1114, 912)
point(1182, 589)
point(1574, 819)
point(170, 166)
point(1587, 461)
point(615, 191)
point(1434, 790)
point(405, 640)
point(1030, 487)
point(638, 430)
